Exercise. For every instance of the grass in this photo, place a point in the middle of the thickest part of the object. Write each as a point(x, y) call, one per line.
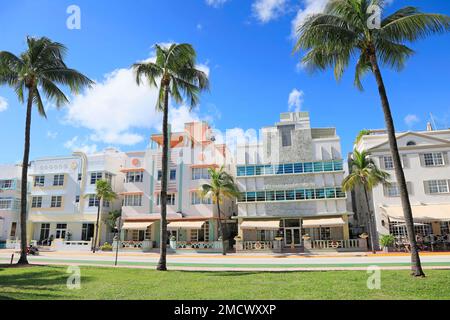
point(49, 282)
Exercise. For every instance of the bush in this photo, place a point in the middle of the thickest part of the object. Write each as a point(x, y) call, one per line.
point(387, 240)
point(106, 247)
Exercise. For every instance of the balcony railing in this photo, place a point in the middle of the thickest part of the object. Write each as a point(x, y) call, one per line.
point(257, 245)
point(335, 244)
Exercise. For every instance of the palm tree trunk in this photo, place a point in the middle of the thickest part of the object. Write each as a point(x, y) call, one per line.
point(24, 186)
point(400, 175)
point(221, 233)
point(94, 245)
point(162, 264)
point(372, 230)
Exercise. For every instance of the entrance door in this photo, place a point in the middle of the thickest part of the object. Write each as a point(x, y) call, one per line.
point(87, 232)
point(45, 231)
point(292, 236)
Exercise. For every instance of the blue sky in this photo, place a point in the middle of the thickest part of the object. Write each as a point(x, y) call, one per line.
point(245, 45)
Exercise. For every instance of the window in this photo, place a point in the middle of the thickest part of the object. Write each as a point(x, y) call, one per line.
point(12, 234)
point(433, 159)
point(173, 175)
point(108, 177)
point(170, 199)
point(93, 201)
point(6, 203)
point(6, 184)
point(398, 229)
point(411, 143)
point(200, 235)
point(77, 199)
point(436, 186)
point(201, 173)
point(58, 180)
point(39, 181)
point(388, 163)
point(87, 231)
point(95, 176)
point(80, 176)
point(197, 199)
point(391, 190)
point(135, 176)
point(445, 227)
point(286, 135)
point(132, 200)
point(56, 202)
point(45, 231)
point(61, 229)
point(265, 235)
point(292, 195)
point(36, 202)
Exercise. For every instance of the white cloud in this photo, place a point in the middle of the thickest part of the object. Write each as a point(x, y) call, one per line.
point(3, 104)
point(267, 10)
point(411, 119)
point(216, 3)
point(295, 100)
point(75, 144)
point(116, 107)
point(309, 7)
point(52, 134)
point(199, 27)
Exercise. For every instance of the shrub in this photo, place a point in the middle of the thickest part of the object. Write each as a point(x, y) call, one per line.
point(106, 247)
point(387, 240)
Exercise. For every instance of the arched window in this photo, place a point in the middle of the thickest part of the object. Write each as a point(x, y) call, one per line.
point(411, 143)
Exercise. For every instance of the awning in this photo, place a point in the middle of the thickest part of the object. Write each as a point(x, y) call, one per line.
point(261, 225)
point(431, 212)
point(185, 225)
point(136, 225)
point(325, 222)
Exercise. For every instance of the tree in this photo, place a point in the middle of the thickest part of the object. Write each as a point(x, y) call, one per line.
point(103, 192)
point(365, 174)
point(220, 187)
point(175, 70)
point(37, 71)
point(343, 31)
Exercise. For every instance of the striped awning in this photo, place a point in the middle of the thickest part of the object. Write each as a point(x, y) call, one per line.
point(324, 222)
point(136, 225)
point(261, 224)
point(430, 212)
point(185, 225)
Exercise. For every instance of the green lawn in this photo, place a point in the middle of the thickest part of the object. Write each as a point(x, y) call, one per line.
point(109, 283)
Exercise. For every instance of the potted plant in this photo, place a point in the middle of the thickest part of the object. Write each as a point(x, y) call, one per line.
point(387, 242)
point(306, 237)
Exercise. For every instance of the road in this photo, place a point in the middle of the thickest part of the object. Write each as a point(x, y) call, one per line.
point(237, 262)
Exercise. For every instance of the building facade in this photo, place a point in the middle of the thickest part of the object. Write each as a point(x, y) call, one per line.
point(10, 187)
point(291, 189)
point(425, 161)
point(62, 203)
point(193, 220)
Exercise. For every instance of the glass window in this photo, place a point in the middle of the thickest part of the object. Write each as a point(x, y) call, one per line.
point(391, 190)
point(197, 199)
point(56, 202)
point(250, 171)
point(288, 168)
point(6, 203)
point(36, 202)
point(170, 199)
point(309, 194)
point(135, 176)
point(268, 169)
point(286, 135)
point(132, 200)
point(308, 167)
point(6, 184)
point(270, 195)
point(259, 170)
point(261, 196)
point(58, 180)
point(338, 165)
point(280, 195)
point(340, 193)
point(39, 181)
point(241, 171)
point(173, 175)
point(328, 166)
point(251, 196)
point(433, 159)
point(290, 195)
point(61, 229)
point(445, 228)
point(330, 193)
point(95, 176)
point(93, 201)
point(12, 234)
point(438, 186)
point(388, 162)
point(298, 168)
point(243, 197)
point(320, 193)
point(300, 194)
point(318, 167)
point(279, 169)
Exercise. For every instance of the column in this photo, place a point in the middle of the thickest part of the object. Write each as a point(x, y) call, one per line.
point(345, 229)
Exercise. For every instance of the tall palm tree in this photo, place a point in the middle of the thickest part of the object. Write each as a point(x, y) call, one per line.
point(343, 31)
point(37, 71)
point(103, 192)
point(175, 70)
point(366, 175)
point(220, 187)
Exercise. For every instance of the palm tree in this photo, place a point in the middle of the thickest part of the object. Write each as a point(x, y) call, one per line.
point(175, 70)
point(333, 38)
point(366, 175)
point(37, 71)
point(103, 192)
point(220, 187)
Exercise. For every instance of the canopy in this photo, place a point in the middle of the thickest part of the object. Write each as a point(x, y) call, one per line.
point(136, 225)
point(325, 222)
point(186, 225)
point(431, 212)
point(262, 224)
